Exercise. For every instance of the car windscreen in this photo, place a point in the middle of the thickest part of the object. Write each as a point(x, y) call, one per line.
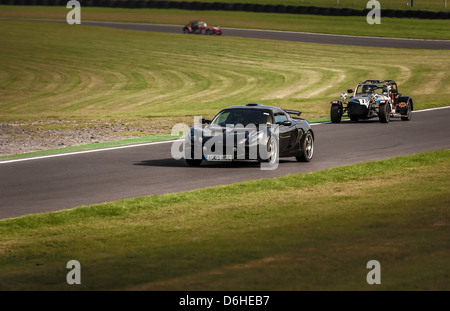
point(242, 116)
point(371, 88)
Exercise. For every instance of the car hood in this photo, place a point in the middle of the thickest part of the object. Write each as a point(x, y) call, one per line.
point(218, 130)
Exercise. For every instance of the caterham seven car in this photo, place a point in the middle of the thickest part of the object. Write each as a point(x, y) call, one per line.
point(373, 98)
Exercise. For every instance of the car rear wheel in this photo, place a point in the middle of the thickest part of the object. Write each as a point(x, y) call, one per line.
point(336, 113)
point(384, 113)
point(307, 148)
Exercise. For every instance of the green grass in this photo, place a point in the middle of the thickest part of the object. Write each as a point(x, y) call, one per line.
point(60, 71)
point(311, 231)
point(348, 25)
point(436, 5)
point(432, 5)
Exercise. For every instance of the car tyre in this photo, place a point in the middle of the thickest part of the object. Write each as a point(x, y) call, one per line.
point(208, 32)
point(185, 30)
point(409, 113)
point(384, 113)
point(336, 113)
point(272, 150)
point(307, 148)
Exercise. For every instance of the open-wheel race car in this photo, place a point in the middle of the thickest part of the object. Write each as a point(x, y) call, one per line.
point(372, 98)
point(197, 27)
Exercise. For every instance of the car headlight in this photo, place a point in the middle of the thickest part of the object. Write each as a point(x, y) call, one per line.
point(374, 96)
point(193, 134)
point(255, 136)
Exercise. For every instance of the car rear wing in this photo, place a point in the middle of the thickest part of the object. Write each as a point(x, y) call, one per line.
point(297, 113)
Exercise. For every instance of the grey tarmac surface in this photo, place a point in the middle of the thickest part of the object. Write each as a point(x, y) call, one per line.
point(63, 182)
point(292, 36)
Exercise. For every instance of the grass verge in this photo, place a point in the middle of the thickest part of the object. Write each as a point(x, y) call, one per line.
point(345, 25)
point(436, 5)
point(311, 231)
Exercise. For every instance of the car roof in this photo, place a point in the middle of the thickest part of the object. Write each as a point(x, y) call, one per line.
point(256, 107)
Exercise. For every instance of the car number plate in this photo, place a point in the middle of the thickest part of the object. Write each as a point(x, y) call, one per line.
point(219, 157)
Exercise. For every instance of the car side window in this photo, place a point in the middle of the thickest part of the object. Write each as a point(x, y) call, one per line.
point(280, 118)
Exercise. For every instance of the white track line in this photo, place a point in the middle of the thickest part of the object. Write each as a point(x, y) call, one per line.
point(86, 151)
point(145, 144)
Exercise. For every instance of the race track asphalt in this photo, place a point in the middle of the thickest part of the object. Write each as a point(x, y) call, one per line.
point(292, 36)
point(275, 35)
point(63, 182)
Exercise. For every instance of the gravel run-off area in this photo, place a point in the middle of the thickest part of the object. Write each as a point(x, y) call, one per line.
point(28, 136)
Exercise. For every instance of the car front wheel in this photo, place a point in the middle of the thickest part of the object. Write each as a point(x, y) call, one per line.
point(336, 113)
point(384, 113)
point(272, 151)
point(307, 148)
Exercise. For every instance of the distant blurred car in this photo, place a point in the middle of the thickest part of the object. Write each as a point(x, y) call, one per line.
point(197, 27)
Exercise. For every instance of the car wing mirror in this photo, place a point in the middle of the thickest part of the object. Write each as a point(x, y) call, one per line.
point(350, 91)
point(205, 121)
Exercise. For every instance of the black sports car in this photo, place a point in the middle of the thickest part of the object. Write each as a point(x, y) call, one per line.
point(250, 132)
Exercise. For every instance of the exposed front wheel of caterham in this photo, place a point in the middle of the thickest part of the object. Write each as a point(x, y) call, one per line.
point(336, 113)
point(384, 113)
